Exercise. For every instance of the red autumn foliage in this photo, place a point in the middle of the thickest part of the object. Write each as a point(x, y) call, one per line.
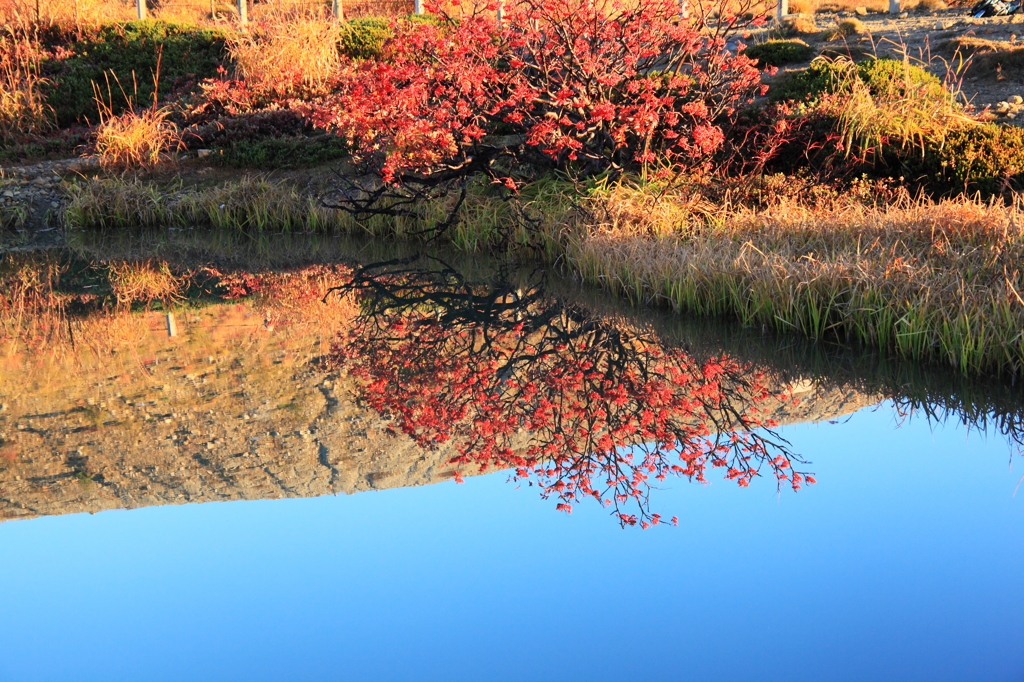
point(581, 85)
point(583, 407)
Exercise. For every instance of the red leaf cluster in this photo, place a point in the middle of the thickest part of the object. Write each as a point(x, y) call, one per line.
point(583, 85)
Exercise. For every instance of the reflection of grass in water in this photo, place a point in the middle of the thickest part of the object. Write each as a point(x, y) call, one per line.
point(84, 479)
point(145, 281)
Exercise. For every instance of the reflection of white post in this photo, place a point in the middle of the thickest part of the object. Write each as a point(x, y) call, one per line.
point(417, 6)
point(894, 6)
point(782, 10)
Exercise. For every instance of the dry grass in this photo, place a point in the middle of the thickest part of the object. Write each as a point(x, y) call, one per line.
point(990, 59)
point(23, 108)
point(799, 26)
point(851, 5)
point(289, 55)
point(803, 6)
point(845, 29)
point(30, 13)
point(135, 139)
point(930, 5)
point(934, 281)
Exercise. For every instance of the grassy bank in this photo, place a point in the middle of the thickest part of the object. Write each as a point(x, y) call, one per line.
point(937, 281)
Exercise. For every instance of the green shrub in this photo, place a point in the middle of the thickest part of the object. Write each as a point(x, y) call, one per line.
point(884, 77)
point(985, 158)
point(364, 38)
point(288, 152)
point(129, 52)
point(779, 52)
point(896, 78)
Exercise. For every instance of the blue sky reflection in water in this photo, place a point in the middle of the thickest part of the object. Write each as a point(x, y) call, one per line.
point(903, 563)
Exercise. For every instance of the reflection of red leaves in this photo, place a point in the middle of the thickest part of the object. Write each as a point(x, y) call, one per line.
point(581, 422)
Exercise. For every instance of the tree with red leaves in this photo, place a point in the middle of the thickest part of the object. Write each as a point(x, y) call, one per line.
point(579, 405)
point(568, 84)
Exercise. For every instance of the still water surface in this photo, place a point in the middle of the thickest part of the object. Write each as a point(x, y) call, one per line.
point(903, 561)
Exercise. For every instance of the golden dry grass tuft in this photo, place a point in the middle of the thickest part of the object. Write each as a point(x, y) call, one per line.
point(799, 26)
point(23, 108)
point(803, 6)
point(845, 29)
point(288, 55)
point(135, 139)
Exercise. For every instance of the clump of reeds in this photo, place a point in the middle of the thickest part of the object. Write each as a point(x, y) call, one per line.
point(933, 281)
point(23, 107)
point(135, 139)
point(105, 203)
point(288, 56)
point(139, 137)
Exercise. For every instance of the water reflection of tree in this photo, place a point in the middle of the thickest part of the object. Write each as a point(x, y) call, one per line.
point(580, 405)
point(937, 394)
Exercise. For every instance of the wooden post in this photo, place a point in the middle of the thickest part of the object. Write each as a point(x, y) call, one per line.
point(172, 326)
point(782, 10)
point(243, 13)
point(417, 6)
point(894, 6)
point(338, 10)
point(213, 9)
point(684, 9)
point(140, 5)
point(501, 11)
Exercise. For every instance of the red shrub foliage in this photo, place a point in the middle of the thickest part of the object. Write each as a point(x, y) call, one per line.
point(582, 85)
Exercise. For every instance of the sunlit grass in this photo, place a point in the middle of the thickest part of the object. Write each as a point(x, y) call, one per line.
point(934, 281)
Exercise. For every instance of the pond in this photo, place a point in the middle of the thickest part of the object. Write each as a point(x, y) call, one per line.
point(439, 467)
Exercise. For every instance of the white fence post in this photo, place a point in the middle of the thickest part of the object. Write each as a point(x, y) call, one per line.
point(243, 12)
point(140, 6)
point(782, 10)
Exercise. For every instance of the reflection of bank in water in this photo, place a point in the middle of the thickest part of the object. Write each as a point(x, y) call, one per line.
point(231, 408)
point(227, 410)
point(236, 407)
